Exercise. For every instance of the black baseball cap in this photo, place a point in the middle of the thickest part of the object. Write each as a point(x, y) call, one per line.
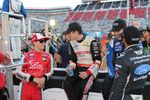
point(118, 25)
point(131, 34)
point(73, 27)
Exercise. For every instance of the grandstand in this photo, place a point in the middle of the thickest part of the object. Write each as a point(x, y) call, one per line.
point(93, 15)
point(101, 14)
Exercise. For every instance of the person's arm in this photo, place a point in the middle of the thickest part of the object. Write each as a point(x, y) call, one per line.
point(73, 60)
point(58, 55)
point(4, 58)
point(1, 58)
point(57, 58)
point(21, 74)
point(95, 52)
point(109, 58)
point(121, 78)
point(49, 70)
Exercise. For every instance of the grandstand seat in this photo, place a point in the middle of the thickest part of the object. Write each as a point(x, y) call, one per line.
point(99, 15)
point(77, 16)
point(123, 14)
point(112, 14)
point(140, 12)
point(69, 16)
point(87, 16)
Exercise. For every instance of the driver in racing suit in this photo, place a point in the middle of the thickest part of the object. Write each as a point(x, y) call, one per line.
point(37, 72)
point(131, 69)
point(84, 63)
point(114, 48)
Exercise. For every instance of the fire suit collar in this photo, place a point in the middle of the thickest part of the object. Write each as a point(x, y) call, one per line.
point(37, 52)
point(131, 47)
point(82, 39)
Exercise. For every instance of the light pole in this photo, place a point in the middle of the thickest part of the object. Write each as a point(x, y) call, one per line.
point(128, 16)
point(52, 23)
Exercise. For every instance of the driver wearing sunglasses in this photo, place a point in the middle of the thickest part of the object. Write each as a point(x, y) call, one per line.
point(36, 73)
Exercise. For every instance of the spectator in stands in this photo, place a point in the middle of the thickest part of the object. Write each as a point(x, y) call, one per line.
point(4, 59)
point(146, 39)
point(83, 66)
point(62, 56)
point(114, 48)
point(131, 69)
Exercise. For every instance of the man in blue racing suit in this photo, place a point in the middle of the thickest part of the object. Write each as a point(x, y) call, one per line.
point(114, 48)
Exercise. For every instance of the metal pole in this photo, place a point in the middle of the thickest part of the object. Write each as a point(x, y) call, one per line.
point(46, 34)
point(29, 27)
point(12, 14)
point(57, 36)
point(40, 20)
point(128, 16)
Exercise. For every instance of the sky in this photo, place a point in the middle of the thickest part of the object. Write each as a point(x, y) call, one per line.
point(48, 3)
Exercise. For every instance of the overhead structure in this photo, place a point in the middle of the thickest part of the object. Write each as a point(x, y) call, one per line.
point(9, 35)
point(50, 23)
point(86, 1)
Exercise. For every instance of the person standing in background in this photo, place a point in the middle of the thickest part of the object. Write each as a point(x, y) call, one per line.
point(62, 56)
point(114, 49)
point(146, 37)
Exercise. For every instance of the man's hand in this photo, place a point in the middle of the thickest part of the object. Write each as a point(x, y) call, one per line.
point(57, 58)
point(6, 59)
point(83, 75)
point(40, 82)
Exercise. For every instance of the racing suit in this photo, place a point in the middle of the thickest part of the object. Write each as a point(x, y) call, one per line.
point(2, 82)
point(131, 72)
point(1, 58)
point(39, 66)
point(85, 54)
point(114, 49)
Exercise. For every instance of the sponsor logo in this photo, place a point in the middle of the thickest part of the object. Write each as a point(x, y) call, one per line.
point(31, 56)
point(140, 78)
point(118, 66)
point(44, 58)
point(139, 52)
point(143, 69)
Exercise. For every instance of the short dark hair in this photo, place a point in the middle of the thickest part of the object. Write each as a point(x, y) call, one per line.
point(72, 27)
point(131, 34)
point(118, 25)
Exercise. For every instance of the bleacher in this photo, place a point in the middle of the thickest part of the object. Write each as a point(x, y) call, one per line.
point(98, 16)
point(87, 15)
point(109, 10)
point(93, 16)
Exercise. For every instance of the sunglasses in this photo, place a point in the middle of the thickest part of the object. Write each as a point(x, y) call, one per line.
point(41, 41)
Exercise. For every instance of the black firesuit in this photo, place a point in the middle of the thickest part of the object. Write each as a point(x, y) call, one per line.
point(131, 71)
point(84, 54)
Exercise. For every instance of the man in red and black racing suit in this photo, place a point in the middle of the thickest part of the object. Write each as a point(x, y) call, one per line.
point(37, 72)
point(84, 63)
